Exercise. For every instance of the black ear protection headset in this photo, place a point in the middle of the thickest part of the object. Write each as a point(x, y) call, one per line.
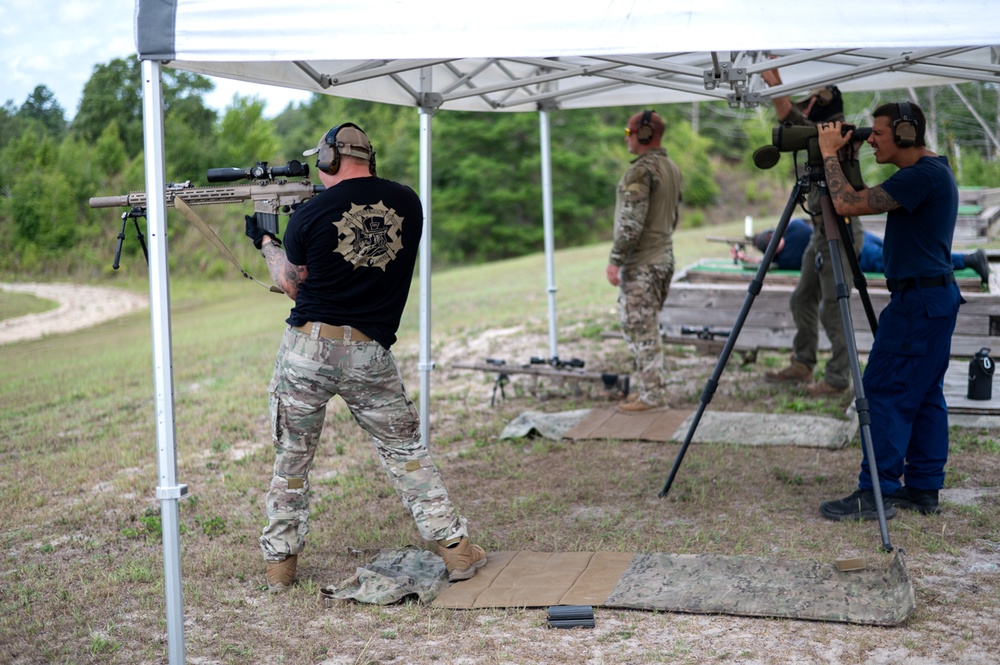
point(904, 130)
point(330, 140)
point(644, 132)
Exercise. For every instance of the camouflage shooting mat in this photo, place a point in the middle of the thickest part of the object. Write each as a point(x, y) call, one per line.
point(704, 584)
point(610, 423)
point(739, 428)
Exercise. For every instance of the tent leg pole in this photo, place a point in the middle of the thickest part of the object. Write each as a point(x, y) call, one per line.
point(550, 264)
point(168, 490)
point(425, 363)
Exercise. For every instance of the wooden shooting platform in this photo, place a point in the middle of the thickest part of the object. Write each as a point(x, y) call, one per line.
point(712, 292)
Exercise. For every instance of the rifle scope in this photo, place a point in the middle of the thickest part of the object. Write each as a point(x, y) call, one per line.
point(259, 171)
point(792, 138)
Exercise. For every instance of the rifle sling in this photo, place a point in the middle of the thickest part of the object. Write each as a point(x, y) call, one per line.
point(213, 238)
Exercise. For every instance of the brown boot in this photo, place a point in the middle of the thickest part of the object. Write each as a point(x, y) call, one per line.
point(281, 574)
point(823, 389)
point(637, 406)
point(796, 372)
point(461, 558)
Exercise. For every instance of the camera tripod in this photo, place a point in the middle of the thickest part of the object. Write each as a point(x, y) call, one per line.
point(835, 228)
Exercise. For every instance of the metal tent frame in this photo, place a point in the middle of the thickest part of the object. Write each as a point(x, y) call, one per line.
point(530, 56)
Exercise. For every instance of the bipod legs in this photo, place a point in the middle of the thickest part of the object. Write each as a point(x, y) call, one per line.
point(134, 214)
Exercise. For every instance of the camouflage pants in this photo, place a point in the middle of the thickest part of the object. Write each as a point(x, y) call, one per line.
point(640, 298)
point(308, 373)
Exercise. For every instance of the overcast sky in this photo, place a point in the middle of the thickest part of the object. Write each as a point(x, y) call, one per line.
point(57, 43)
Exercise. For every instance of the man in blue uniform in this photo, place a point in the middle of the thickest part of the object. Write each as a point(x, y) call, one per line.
point(904, 378)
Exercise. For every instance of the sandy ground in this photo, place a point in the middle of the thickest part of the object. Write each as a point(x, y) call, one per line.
point(79, 307)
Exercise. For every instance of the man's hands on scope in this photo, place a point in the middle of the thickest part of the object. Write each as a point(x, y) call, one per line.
point(256, 234)
point(832, 137)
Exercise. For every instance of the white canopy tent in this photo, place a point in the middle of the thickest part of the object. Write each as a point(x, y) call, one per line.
point(521, 56)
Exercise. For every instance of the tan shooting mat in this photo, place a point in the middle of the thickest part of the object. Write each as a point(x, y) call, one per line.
point(881, 594)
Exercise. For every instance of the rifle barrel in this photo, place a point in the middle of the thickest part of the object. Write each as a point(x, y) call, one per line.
point(279, 193)
point(123, 201)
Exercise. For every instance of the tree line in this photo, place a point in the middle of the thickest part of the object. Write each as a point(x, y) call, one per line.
point(486, 172)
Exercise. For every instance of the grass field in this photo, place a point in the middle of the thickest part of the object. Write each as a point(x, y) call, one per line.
point(82, 577)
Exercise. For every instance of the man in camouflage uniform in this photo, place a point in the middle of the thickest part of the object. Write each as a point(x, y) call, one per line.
point(814, 299)
point(347, 262)
point(641, 264)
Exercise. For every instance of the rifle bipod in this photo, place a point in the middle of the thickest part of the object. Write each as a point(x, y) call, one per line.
point(134, 214)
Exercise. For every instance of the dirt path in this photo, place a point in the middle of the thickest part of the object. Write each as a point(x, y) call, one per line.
point(79, 307)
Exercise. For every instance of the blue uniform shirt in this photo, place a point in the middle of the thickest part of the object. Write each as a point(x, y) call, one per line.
point(918, 234)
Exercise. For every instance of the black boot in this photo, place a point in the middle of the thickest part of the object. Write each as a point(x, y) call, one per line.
point(858, 506)
point(923, 501)
point(977, 261)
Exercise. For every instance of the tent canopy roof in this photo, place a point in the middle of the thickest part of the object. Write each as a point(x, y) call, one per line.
point(521, 55)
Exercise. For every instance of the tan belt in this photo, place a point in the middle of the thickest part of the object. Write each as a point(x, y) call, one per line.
point(346, 333)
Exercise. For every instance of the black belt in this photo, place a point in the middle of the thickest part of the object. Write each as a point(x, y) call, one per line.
point(923, 282)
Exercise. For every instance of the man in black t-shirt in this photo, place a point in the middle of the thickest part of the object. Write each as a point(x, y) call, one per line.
point(347, 262)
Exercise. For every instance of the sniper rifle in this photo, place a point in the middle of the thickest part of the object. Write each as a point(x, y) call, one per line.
point(270, 190)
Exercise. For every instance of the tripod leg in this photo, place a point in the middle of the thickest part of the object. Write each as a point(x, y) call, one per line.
point(859, 277)
point(727, 350)
point(861, 403)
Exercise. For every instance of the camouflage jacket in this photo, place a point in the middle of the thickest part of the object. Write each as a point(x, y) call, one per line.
point(647, 210)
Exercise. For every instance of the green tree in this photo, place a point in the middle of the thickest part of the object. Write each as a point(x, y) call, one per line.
point(42, 203)
point(245, 136)
point(42, 107)
point(691, 154)
point(114, 93)
point(10, 124)
point(110, 154)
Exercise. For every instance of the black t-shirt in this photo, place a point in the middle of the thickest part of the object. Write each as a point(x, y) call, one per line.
point(359, 241)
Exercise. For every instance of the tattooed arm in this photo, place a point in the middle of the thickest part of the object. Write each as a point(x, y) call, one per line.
point(846, 200)
point(286, 275)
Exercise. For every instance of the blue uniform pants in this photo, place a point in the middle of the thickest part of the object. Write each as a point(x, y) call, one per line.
point(904, 384)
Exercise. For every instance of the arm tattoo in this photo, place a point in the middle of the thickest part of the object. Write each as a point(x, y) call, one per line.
point(286, 275)
point(880, 200)
point(868, 200)
point(840, 190)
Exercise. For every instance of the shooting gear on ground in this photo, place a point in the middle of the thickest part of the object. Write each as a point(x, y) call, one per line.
point(705, 332)
point(570, 616)
point(256, 233)
point(981, 376)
